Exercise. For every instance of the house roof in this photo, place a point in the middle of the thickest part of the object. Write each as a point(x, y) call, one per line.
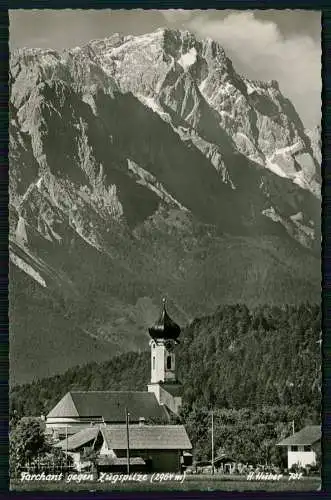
point(147, 437)
point(223, 458)
point(79, 439)
point(307, 436)
point(110, 405)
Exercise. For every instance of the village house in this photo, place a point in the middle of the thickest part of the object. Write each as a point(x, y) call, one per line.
point(152, 448)
point(302, 446)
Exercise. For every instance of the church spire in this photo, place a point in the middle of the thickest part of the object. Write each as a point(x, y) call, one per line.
point(164, 337)
point(165, 328)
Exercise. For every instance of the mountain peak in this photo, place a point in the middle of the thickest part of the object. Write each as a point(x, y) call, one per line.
point(146, 163)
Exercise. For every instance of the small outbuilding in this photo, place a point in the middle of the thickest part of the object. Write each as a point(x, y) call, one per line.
point(225, 464)
point(303, 446)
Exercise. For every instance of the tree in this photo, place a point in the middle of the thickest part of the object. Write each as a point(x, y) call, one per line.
point(26, 441)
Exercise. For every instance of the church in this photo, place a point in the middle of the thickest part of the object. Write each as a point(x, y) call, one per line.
point(71, 422)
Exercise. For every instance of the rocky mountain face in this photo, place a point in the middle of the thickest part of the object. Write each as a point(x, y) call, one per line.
point(143, 166)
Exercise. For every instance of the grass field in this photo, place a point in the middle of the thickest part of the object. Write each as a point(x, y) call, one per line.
point(191, 483)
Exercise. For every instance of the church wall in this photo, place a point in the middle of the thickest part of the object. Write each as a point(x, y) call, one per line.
point(155, 388)
point(157, 362)
point(62, 422)
point(160, 370)
point(173, 403)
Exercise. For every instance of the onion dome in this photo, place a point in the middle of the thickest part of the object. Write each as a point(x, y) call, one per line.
point(165, 328)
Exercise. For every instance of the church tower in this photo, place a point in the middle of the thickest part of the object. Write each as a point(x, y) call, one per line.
point(164, 384)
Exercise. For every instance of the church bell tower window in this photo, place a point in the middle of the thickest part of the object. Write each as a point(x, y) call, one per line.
point(168, 362)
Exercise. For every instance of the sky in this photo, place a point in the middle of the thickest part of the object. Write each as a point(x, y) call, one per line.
point(282, 45)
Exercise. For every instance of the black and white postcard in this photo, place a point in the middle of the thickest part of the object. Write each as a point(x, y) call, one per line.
point(165, 250)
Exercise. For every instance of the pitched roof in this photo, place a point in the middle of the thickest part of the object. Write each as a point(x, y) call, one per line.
point(143, 437)
point(64, 408)
point(307, 436)
point(79, 439)
point(223, 458)
point(110, 405)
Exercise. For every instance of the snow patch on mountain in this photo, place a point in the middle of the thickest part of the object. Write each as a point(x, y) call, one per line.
point(293, 163)
point(39, 183)
point(21, 264)
point(275, 168)
point(146, 179)
point(188, 59)
point(301, 180)
point(21, 236)
point(250, 87)
point(152, 104)
point(272, 214)
point(246, 147)
point(89, 99)
point(294, 225)
point(202, 85)
point(47, 230)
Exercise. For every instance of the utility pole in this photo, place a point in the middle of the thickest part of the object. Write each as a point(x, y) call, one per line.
point(127, 416)
point(293, 429)
point(67, 446)
point(212, 442)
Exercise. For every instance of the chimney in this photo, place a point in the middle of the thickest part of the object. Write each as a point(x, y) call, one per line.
point(141, 421)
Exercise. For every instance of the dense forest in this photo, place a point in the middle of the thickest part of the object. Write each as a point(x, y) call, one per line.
point(258, 370)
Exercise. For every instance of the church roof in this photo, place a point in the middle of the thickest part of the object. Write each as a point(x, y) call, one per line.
point(110, 405)
point(176, 390)
point(147, 437)
point(307, 436)
point(165, 327)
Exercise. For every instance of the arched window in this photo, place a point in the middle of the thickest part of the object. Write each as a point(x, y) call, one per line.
point(168, 362)
point(153, 362)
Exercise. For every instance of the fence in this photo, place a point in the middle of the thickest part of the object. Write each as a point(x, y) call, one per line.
point(39, 467)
